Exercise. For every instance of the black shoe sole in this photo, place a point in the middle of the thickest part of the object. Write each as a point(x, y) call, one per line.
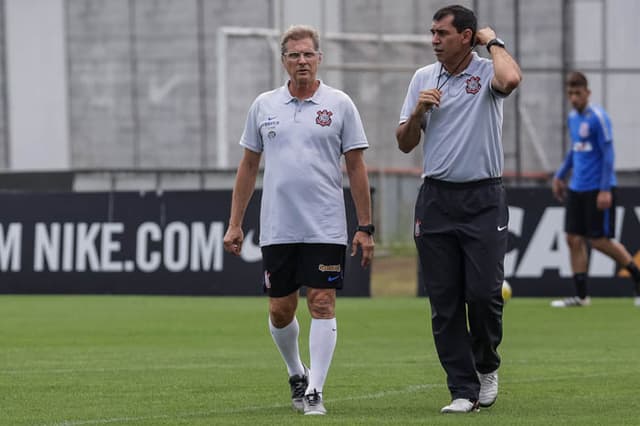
point(487, 405)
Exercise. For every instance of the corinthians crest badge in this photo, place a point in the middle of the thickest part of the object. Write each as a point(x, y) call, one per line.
point(324, 118)
point(473, 85)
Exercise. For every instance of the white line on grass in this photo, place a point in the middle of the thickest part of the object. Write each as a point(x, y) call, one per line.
point(376, 395)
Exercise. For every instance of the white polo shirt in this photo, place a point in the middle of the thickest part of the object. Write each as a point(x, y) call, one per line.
point(463, 137)
point(302, 142)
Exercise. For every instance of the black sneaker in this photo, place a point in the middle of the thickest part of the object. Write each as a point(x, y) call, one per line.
point(313, 405)
point(298, 385)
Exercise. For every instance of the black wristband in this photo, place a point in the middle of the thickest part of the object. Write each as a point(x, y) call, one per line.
point(495, 42)
point(369, 229)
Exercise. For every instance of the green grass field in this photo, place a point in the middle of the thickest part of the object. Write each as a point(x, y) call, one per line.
point(81, 360)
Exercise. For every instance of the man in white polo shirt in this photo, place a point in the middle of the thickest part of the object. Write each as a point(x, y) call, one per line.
point(461, 213)
point(303, 128)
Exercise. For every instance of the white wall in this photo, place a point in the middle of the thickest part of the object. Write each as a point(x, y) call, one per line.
point(604, 38)
point(37, 85)
point(323, 15)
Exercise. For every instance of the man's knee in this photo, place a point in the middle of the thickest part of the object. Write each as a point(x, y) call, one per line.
point(321, 303)
point(600, 243)
point(282, 310)
point(574, 241)
point(483, 297)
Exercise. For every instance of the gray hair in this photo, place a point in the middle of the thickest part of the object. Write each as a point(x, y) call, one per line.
point(300, 32)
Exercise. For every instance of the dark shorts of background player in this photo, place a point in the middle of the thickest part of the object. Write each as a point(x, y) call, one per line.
point(582, 216)
point(287, 267)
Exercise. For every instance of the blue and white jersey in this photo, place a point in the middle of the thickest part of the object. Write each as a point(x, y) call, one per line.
point(591, 154)
point(302, 142)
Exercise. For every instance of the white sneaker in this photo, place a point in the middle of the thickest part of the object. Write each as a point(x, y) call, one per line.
point(313, 405)
point(488, 388)
point(460, 405)
point(636, 302)
point(571, 302)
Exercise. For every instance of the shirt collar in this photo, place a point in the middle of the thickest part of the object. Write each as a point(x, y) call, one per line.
point(585, 112)
point(316, 98)
point(467, 71)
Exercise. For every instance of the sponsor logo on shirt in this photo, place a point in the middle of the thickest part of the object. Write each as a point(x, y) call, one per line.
point(582, 147)
point(583, 131)
point(271, 122)
point(473, 85)
point(324, 118)
point(270, 125)
point(329, 268)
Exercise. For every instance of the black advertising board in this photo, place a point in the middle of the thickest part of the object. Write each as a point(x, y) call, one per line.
point(135, 243)
point(537, 262)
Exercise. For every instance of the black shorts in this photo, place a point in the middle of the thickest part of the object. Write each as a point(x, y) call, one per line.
point(287, 267)
point(582, 216)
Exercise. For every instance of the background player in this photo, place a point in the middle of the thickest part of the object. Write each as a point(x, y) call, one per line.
point(591, 196)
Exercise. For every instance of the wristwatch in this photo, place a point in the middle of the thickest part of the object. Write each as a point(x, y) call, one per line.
point(369, 229)
point(495, 42)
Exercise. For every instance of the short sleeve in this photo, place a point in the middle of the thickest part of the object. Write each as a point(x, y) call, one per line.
point(353, 134)
point(251, 137)
point(411, 99)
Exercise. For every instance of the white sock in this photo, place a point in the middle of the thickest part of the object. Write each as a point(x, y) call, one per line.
point(286, 339)
point(322, 342)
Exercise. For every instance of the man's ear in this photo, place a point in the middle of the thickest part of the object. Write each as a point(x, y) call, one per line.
point(467, 34)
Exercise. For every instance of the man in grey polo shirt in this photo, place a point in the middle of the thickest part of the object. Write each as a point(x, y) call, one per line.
point(303, 128)
point(461, 213)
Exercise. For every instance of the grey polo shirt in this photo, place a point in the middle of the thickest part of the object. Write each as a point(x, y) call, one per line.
point(302, 143)
point(463, 137)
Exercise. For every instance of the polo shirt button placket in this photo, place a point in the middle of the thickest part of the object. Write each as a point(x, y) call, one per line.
point(296, 109)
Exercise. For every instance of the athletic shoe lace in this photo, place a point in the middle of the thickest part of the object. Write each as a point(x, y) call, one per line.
point(313, 398)
point(298, 386)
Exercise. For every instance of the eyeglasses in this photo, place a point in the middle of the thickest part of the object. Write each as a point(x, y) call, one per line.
point(294, 56)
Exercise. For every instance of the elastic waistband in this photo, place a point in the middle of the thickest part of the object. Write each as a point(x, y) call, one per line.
point(463, 185)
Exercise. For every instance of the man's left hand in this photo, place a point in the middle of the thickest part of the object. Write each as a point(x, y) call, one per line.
point(484, 36)
point(365, 241)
